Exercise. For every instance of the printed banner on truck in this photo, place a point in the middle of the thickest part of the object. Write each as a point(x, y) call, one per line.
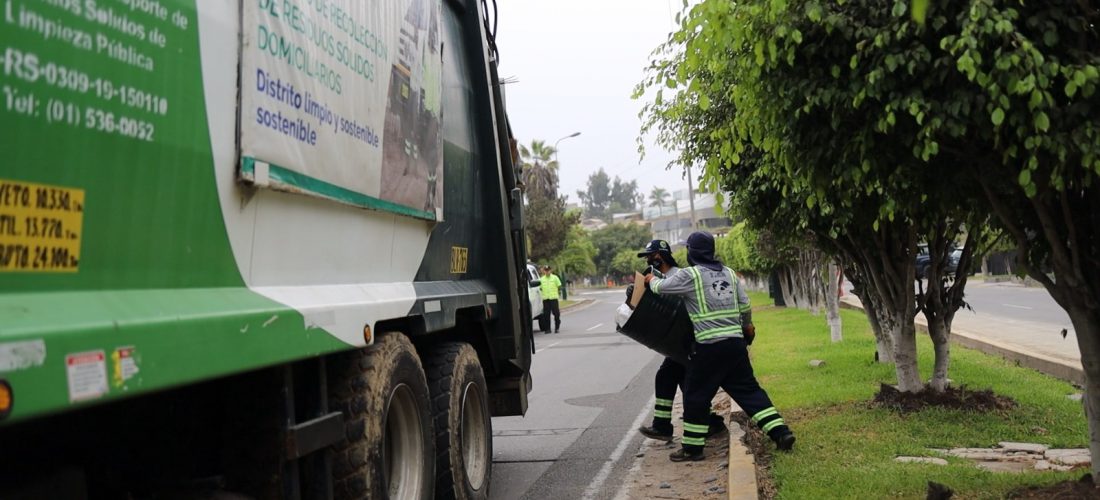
point(342, 99)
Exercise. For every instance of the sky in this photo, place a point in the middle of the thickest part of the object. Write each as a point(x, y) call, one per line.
point(574, 64)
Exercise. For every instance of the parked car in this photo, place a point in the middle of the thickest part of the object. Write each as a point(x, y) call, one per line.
point(534, 293)
point(923, 261)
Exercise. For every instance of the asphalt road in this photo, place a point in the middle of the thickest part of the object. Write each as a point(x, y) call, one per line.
point(1009, 300)
point(592, 388)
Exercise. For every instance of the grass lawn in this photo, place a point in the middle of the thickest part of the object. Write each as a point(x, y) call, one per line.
point(846, 449)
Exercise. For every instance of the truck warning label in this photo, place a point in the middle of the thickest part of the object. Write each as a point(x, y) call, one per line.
point(40, 227)
point(87, 374)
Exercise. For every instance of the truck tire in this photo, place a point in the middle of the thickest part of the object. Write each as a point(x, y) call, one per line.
point(463, 429)
point(389, 451)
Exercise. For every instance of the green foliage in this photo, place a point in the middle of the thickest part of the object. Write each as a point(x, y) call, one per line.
point(540, 170)
point(547, 226)
point(614, 238)
point(658, 196)
point(626, 261)
point(739, 251)
point(681, 256)
point(577, 258)
point(842, 438)
point(911, 115)
point(605, 197)
point(546, 220)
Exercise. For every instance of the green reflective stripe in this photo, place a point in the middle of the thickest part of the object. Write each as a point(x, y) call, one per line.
point(662, 413)
point(664, 402)
point(746, 308)
point(736, 286)
point(727, 331)
point(694, 441)
point(700, 297)
point(655, 284)
point(762, 414)
point(700, 429)
point(729, 313)
point(773, 424)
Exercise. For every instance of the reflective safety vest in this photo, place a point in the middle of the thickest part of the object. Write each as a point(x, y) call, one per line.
point(715, 300)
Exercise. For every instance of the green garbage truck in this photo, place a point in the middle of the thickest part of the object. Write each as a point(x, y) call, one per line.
point(269, 248)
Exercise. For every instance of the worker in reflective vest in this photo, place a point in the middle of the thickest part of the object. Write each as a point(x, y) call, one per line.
point(721, 317)
point(658, 255)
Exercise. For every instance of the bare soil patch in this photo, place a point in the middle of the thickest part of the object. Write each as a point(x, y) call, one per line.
point(959, 398)
point(654, 476)
point(1066, 490)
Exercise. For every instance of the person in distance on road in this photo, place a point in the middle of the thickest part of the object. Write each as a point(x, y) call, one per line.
point(721, 317)
point(551, 286)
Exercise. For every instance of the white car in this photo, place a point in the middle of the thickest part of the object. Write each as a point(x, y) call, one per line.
point(534, 293)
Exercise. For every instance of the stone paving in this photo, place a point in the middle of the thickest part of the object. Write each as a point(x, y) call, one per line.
point(1013, 457)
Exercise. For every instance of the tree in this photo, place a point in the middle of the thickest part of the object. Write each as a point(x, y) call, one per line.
point(624, 196)
point(597, 198)
point(605, 196)
point(540, 170)
point(626, 262)
point(992, 98)
point(615, 238)
point(577, 258)
point(547, 225)
point(814, 166)
point(546, 220)
point(657, 197)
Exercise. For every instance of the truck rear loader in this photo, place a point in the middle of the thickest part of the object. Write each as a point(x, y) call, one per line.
point(271, 248)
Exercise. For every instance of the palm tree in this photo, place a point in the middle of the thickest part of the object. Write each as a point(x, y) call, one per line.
point(657, 197)
point(540, 170)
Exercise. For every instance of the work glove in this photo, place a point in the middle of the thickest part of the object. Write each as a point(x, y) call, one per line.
point(750, 333)
point(629, 292)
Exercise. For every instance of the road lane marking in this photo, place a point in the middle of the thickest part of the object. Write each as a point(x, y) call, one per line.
point(1016, 306)
point(547, 347)
point(605, 471)
point(594, 327)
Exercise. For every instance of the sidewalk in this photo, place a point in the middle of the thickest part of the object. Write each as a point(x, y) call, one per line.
point(1039, 346)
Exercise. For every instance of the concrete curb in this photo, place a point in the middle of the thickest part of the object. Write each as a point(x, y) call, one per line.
point(579, 303)
point(741, 480)
point(1055, 367)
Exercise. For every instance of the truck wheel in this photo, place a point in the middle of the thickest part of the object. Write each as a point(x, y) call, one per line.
point(463, 430)
point(389, 451)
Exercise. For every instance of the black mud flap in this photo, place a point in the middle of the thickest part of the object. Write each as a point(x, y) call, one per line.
point(508, 395)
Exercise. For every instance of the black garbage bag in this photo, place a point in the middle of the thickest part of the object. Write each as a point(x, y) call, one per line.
point(661, 323)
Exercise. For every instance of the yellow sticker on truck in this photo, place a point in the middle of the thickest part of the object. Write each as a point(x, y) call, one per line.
point(40, 227)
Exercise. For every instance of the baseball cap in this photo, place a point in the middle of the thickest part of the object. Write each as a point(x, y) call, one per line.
point(655, 246)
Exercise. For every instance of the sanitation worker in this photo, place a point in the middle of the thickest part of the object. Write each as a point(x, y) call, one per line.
point(721, 317)
point(550, 285)
point(658, 255)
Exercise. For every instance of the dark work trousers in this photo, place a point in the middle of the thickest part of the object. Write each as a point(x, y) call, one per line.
point(724, 364)
point(669, 376)
point(551, 307)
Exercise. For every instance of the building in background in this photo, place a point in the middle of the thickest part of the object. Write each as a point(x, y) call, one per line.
point(672, 222)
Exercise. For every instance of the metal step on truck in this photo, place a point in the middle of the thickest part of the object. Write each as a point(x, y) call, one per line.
point(256, 249)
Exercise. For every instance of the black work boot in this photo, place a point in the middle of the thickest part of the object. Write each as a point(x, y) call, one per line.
point(683, 455)
point(657, 431)
point(784, 441)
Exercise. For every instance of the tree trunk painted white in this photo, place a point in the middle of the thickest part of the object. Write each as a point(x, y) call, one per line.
point(941, 334)
point(1086, 323)
point(785, 286)
point(904, 333)
point(831, 285)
